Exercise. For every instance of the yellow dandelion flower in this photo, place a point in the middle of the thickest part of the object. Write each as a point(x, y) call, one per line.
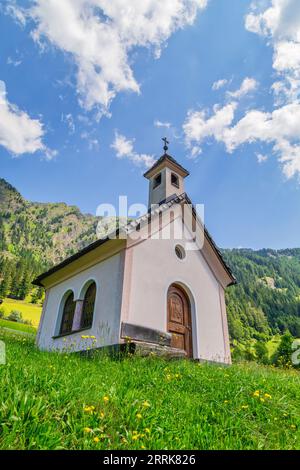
point(105, 398)
point(87, 430)
point(143, 447)
point(147, 430)
point(262, 400)
point(101, 414)
point(245, 407)
point(256, 393)
point(135, 437)
point(268, 396)
point(146, 404)
point(96, 439)
point(139, 416)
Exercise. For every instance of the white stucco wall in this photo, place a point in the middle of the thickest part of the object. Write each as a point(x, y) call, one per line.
point(154, 268)
point(108, 276)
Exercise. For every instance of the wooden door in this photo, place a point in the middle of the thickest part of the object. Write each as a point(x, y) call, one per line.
point(179, 320)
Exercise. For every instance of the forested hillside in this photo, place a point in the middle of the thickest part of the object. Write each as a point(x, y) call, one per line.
point(34, 236)
point(266, 299)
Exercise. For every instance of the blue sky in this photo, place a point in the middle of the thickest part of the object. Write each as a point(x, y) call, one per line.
point(84, 139)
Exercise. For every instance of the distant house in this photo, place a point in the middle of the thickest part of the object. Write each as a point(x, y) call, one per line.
point(158, 292)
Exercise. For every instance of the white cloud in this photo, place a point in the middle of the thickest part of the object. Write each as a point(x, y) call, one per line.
point(198, 126)
point(158, 123)
point(261, 158)
point(14, 62)
point(280, 24)
point(18, 132)
point(124, 148)
point(248, 85)
point(93, 142)
point(100, 35)
point(219, 84)
point(69, 120)
point(280, 128)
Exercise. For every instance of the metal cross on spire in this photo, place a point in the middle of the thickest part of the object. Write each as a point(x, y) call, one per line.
point(164, 139)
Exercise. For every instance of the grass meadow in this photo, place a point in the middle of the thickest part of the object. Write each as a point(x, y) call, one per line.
point(29, 311)
point(21, 327)
point(66, 401)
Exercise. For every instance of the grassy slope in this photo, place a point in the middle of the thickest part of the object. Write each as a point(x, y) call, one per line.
point(29, 311)
point(192, 406)
point(12, 325)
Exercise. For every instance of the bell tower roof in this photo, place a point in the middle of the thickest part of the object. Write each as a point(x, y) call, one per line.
point(166, 161)
point(162, 162)
point(166, 178)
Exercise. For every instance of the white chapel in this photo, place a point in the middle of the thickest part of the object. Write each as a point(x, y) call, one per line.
point(159, 285)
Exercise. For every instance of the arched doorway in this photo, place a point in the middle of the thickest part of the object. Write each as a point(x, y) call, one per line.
point(179, 319)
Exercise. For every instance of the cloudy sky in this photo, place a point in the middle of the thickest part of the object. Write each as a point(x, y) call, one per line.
point(89, 87)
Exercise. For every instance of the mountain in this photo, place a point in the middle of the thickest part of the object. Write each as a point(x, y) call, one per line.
point(34, 236)
point(49, 231)
point(266, 299)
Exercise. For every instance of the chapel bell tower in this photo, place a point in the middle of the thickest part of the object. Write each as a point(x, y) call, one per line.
point(166, 178)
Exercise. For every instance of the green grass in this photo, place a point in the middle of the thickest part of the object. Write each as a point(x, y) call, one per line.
point(29, 311)
point(17, 326)
point(43, 398)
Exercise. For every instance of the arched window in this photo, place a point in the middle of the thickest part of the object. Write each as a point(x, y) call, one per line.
point(68, 315)
point(88, 306)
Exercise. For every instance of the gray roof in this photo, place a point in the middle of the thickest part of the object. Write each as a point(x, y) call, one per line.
point(161, 159)
point(175, 199)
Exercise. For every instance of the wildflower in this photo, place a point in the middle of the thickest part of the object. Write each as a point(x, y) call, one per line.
point(256, 393)
point(135, 437)
point(262, 400)
point(105, 398)
point(146, 404)
point(147, 430)
point(143, 447)
point(245, 407)
point(268, 396)
point(87, 430)
point(226, 401)
point(101, 414)
point(96, 439)
point(139, 416)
